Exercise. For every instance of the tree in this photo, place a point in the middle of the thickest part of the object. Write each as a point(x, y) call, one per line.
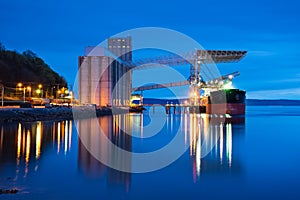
point(29, 53)
point(2, 47)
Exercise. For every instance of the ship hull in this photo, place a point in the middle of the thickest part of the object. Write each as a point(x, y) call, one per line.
point(230, 101)
point(226, 108)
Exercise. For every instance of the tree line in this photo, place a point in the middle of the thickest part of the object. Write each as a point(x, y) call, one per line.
point(26, 67)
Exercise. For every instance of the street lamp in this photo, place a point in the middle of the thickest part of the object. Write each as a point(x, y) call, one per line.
point(29, 91)
point(41, 90)
point(58, 93)
point(38, 91)
point(19, 87)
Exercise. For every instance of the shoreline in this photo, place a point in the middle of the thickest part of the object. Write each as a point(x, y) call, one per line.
point(56, 113)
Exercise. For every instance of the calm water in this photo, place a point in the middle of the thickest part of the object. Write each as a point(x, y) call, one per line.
point(255, 157)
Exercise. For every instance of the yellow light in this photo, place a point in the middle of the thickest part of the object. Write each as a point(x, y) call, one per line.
point(40, 86)
point(38, 91)
point(38, 140)
point(28, 88)
point(58, 91)
point(19, 84)
point(66, 91)
point(19, 141)
point(27, 146)
point(58, 137)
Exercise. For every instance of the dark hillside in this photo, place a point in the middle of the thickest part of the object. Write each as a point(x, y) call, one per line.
point(26, 67)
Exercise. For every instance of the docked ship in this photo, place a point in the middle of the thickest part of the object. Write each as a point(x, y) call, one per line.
point(226, 101)
point(219, 98)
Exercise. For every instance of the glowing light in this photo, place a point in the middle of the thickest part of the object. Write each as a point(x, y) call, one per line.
point(40, 86)
point(141, 126)
point(198, 153)
point(228, 85)
point(229, 143)
point(19, 84)
point(70, 135)
point(58, 137)
point(19, 141)
point(38, 91)
point(23, 142)
point(27, 147)
point(38, 140)
point(185, 129)
point(136, 98)
point(221, 142)
point(66, 137)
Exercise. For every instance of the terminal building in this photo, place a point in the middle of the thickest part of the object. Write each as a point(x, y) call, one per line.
point(104, 77)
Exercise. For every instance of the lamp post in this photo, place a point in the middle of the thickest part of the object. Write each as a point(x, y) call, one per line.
point(18, 88)
point(52, 93)
point(29, 91)
point(58, 94)
point(24, 92)
point(40, 87)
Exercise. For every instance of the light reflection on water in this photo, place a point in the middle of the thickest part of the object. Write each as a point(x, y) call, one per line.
point(28, 149)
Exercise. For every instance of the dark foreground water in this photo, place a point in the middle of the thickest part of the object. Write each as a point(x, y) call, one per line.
point(256, 157)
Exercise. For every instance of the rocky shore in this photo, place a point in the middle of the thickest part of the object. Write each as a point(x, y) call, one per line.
point(56, 113)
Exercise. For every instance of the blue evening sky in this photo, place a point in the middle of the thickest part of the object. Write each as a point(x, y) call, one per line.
point(58, 31)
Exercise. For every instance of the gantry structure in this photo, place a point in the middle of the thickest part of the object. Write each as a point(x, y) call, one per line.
point(195, 60)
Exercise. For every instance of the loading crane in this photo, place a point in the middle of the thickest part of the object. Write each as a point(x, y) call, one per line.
point(195, 59)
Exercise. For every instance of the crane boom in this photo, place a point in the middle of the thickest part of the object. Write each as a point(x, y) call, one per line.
point(205, 56)
point(208, 84)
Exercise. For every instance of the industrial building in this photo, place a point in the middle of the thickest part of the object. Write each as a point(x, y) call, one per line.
point(104, 78)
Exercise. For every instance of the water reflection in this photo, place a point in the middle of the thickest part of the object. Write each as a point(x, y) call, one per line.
point(210, 139)
point(211, 142)
point(22, 144)
point(91, 135)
